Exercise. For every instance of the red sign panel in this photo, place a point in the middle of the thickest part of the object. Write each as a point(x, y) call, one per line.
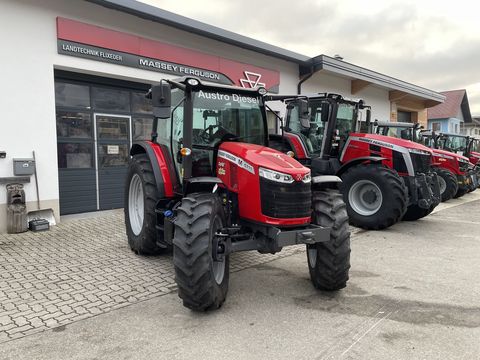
point(85, 40)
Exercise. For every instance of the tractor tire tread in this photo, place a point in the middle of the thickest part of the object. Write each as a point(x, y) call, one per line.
point(333, 257)
point(192, 254)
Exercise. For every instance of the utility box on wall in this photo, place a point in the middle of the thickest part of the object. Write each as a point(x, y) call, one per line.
point(23, 167)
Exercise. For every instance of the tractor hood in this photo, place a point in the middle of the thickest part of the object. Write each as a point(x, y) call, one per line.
point(475, 154)
point(385, 140)
point(260, 156)
point(446, 154)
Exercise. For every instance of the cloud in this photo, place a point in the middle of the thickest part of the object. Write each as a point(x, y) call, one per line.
point(429, 43)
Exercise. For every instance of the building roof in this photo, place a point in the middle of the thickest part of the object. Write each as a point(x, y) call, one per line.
point(156, 14)
point(455, 101)
point(475, 122)
point(341, 67)
point(306, 64)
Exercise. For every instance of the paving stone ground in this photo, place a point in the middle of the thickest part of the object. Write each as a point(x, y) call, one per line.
point(82, 268)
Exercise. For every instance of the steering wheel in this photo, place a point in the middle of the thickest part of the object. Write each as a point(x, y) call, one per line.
point(208, 136)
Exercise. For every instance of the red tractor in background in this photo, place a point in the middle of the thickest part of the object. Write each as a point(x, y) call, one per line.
point(384, 179)
point(473, 150)
point(460, 145)
point(453, 170)
point(207, 185)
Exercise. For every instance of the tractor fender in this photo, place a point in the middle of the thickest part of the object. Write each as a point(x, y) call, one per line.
point(360, 160)
point(322, 179)
point(159, 165)
point(201, 184)
point(325, 181)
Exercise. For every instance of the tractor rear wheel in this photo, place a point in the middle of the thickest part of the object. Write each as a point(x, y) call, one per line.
point(329, 262)
point(448, 183)
point(375, 195)
point(141, 195)
point(202, 281)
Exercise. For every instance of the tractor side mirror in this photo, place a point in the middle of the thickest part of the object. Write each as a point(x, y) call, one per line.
point(303, 114)
point(369, 117)
point(161, 96)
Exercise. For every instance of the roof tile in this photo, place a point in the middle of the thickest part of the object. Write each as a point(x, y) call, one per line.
point(450, 108)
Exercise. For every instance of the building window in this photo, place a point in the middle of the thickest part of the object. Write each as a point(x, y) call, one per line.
point(73, 124)
point(72, 95)
point(140, 104)
point(404, 116)
point(74, 155)
point(110, 99)
point(142, 128)
point(456, 128)
point(436, 126)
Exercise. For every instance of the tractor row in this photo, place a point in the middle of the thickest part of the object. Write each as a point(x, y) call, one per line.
point(456, 156)
point(212, 181)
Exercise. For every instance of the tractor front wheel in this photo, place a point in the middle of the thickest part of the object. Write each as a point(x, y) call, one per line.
point(329, 262)
point(202, 280)
point(414, 212)
point(448, 183)
point(375, 195)
point(141, 194)
point(460, 192)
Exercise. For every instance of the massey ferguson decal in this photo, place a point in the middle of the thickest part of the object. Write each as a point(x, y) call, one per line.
point(221, 168)
point(78, 39)
point(236, 160)
point(251, 80)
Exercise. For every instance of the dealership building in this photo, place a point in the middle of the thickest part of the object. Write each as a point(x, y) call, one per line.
point(74, 75)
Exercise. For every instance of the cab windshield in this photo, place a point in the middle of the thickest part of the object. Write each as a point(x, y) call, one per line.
point(405, 133)
point(453, 143)
point(476, 145)
point(217, 117)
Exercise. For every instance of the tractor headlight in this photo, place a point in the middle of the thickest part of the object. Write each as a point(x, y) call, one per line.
point(193, 82)
point(275, 176)
point(307, 178)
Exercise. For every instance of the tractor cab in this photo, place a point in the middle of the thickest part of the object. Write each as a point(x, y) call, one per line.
point(454, 143)
point(331, 118)
point(204, 116)
point(474, 151)
point(399, 130)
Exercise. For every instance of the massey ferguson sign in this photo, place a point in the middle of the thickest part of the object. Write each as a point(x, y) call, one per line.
point(101, 44)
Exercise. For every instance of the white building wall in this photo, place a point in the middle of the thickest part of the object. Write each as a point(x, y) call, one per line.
point(376, 97)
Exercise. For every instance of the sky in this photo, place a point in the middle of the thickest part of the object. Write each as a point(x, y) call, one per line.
point(434, 44)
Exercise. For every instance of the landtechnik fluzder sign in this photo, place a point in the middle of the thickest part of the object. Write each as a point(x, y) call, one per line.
point(87, 41)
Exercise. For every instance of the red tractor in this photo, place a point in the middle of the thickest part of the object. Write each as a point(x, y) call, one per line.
point(473, 150)
point(452, 169)
point(385, 179)
point(461, 145)
point(207, 185)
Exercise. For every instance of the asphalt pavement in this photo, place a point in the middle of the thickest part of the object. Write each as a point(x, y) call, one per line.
point(413, 294)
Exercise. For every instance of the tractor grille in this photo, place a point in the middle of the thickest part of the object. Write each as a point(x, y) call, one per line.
point(421, 162)
point(285, 200)
point(463, 166)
